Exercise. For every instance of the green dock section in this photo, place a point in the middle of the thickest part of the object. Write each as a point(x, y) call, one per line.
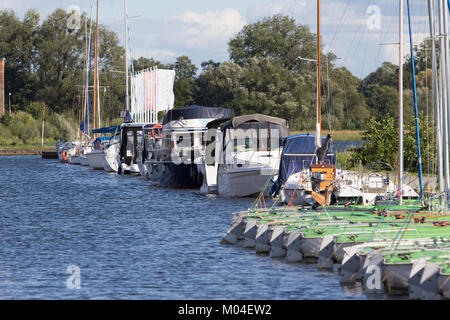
point(397, 234)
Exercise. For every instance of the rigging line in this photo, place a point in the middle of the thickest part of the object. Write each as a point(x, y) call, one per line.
point(339, 25)
point(364, 36)
point(360, 33)
point(364, 57)
point(393, 18)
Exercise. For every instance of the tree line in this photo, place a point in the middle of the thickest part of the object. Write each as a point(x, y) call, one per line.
point(44, 67)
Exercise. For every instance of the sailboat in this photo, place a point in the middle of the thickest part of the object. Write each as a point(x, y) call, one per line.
point(315, 182)
point(95, 157)
point(84, 145)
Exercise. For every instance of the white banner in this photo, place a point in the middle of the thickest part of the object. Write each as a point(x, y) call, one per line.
point(151, 92)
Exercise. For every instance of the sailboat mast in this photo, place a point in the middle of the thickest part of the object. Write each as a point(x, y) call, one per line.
point(127, 103)
point(444, 89)
point(319, 93)
point(400, 105)
point(416, 111)
point(446, 73)
point(88, 75)
point(95, 69)
point(85, 79)
point(437, 104)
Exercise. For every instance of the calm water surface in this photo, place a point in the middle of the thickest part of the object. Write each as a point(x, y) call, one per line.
point(132, 241)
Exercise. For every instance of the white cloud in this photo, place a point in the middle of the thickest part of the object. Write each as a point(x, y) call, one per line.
point(208, 31)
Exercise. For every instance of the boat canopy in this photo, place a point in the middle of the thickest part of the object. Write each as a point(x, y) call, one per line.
point(216, 123)
point(260, 127)
point(107, 130)
point(196, 112)
point(299, 153)
point(252, 118)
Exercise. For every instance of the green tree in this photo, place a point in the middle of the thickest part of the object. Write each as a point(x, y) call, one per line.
point(143, 63)
point(17, 46)
point(274, 37)
point(383, 143)
point(184, 87)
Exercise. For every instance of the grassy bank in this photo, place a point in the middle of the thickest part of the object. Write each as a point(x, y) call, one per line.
point(24, 150)
point(341, 135)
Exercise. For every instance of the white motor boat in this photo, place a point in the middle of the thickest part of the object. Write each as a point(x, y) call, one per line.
point(67, 150)
point(130, 138)
point(248, 150)
point(175, 148)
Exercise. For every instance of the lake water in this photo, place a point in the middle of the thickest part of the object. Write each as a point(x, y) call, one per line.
point(132, 241)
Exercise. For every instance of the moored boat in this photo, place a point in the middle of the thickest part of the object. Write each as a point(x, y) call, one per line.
point(174, 162)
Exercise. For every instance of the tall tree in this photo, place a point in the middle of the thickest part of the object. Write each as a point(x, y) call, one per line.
point(184, 88)
point(274, 37)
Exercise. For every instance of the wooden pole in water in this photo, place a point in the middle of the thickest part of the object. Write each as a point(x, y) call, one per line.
point(2, 87)
point(43, 123)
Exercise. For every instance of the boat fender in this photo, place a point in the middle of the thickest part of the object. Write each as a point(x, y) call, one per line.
point(419, 220)
point(64, 155)
point(153, 132)
point(440, 224)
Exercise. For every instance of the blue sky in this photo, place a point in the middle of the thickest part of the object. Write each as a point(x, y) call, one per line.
point(201, 29)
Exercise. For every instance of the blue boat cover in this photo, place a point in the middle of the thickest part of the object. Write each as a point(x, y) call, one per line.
point(298, 154)
point(196, 112)
point(101, 139)
point(107, 130)
point(83, 127)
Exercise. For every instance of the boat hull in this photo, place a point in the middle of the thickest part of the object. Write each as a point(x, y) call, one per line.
point(243, 182)
point(143, 170)
point(95, 160)
point(111, 162)
point(83, 161)
point(168, 174)
point(75, 160)
point(297, 197)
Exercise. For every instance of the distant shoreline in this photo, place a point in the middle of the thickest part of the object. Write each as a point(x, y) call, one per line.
point(23, 150)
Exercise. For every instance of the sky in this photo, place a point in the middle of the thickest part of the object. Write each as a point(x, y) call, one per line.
point(361, 33)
